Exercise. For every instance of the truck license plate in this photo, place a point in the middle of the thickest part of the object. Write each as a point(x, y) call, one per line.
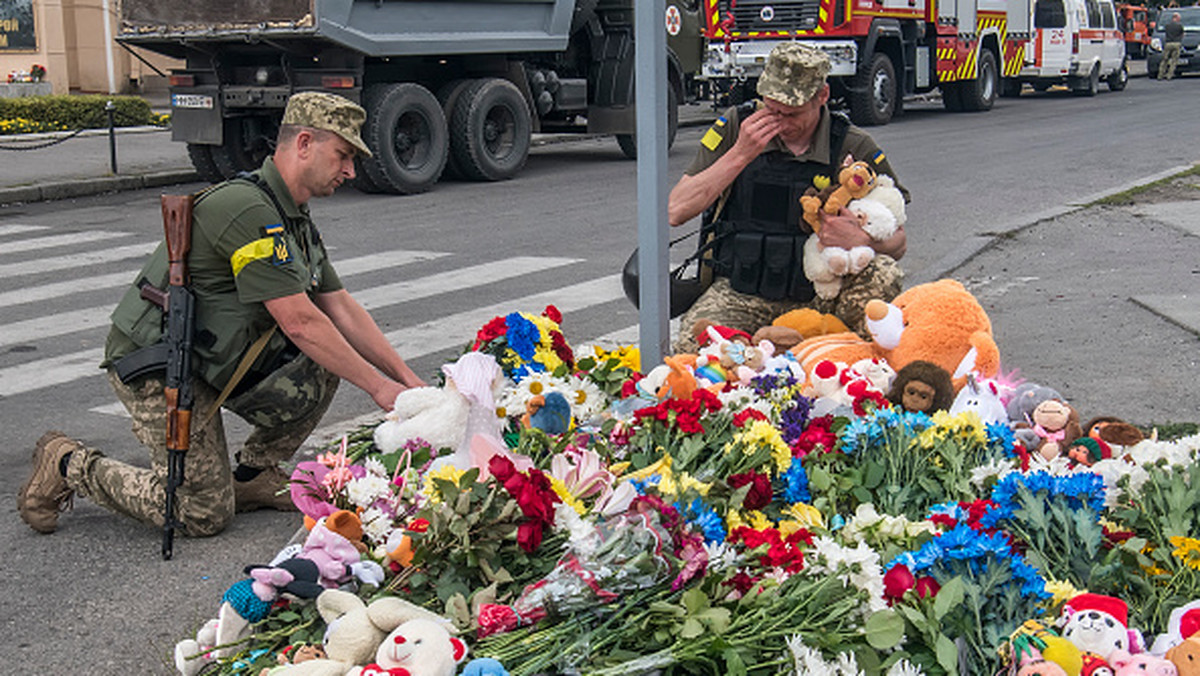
point(191, 101)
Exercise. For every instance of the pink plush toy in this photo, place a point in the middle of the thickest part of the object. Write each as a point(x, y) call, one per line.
point(334, 554)
point(1142, 663)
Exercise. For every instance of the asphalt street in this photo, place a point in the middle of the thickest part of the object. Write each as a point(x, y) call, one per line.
point(1101, 302)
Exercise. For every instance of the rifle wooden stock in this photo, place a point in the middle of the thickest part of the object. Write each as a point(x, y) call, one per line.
point(177, 226)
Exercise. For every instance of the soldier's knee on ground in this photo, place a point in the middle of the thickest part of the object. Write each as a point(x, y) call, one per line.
point(202, 518)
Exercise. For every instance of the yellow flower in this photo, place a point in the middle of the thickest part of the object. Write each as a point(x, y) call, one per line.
point(547, 357)
point(1187, 550)
point(664, 463)
point(449, 473)
point(805, 516)
point(688, 482)
point(667, 486)
point(627, 356)
point(565, 495)
point(755, 519)
point(1062, 591)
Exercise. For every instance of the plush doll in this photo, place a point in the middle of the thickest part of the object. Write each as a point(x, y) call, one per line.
point(982, 397)
point(354, 631)
point(337, 558)
point(1098, 624)
point(1034, 641)
point(791, 327)
point(1125, 664)
point(1186, 657)
point(1095, 665)
point(1087, 451)
point(725, 360)
point(1021, 403)
point(1055, 424)
point(922, 387)
point(1182, 624)
point(855, 180)
point(550, 413)
point(940, 322)
point(295, 654)
point(1115, 432)
point(880, 213)
point(419, 647)
point(447, 417)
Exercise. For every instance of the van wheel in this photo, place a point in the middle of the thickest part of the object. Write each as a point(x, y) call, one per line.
point(979, 94)
point(406, 132)
point(873, 93)
point(1090, 85)
point(1119, 78)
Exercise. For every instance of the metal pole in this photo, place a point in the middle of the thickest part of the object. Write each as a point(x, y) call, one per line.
point(110, 110)
point(650, 42)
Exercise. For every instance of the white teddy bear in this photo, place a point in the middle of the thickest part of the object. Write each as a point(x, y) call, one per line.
point(419, 647)
point(880, 213)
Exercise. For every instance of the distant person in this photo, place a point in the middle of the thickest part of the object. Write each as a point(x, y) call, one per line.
point(262, 278)
point(764, 160)
point(1172, 45)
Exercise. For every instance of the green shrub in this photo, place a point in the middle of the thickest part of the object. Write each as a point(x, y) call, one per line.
point(84, 111)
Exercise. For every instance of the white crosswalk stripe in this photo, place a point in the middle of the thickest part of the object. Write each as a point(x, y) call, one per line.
point(414, 342)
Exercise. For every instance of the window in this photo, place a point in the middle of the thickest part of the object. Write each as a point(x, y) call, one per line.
point(1093, 13)
point(1106, 14)
point(1049, 14)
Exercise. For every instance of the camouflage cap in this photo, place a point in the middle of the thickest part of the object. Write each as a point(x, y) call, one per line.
point(321, 110)
point(794, 73)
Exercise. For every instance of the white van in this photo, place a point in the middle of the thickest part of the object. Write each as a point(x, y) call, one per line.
point(1076, 43)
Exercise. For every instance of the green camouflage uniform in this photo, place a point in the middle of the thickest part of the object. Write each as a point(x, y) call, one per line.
point(793, 75)
point(244, 252)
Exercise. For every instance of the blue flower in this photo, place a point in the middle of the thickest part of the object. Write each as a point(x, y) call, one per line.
point(522, 335)
point(642, 484)
point(704, 518)
point(1000, 434)
point(917, 422)
point(796, 480)
point(950, 509)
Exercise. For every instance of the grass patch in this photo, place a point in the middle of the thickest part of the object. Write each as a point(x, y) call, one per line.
point(1171, 430)
point(1127, 197)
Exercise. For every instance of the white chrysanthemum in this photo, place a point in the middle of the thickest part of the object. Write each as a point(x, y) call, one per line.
point(365, 491)
point(808, 662)
point(374, 466)
point(905, 668)
point(377, 526)
point(856, 566)
point(721, 556)
point(1180, 452)
point(847, 665)
point(583, 538)
point(1112, 471)
point(515, 396)
point(993, 470)
point(586, 398)
point(737, 398)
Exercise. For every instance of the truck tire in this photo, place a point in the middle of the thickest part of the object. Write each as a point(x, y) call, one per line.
point(1010, 88)
point(1119, 78)
point(244, 148)
point(406, 131)
point(628, 142)
point(873, 92)
point(201, 156)
point(448, 96)
point(979, 94)
point(491, 130)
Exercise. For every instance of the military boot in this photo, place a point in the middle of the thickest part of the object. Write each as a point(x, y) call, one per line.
point(268, 490)
point(46, 492)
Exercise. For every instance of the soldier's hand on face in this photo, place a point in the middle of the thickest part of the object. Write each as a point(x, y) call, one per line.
point(756, 131)
point(842, 230)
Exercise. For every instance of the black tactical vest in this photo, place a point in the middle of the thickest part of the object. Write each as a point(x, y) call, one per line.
point(759, 242)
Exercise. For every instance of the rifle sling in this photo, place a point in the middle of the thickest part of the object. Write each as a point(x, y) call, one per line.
point(243, 367)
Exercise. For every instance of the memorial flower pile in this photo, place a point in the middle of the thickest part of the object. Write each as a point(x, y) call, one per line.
point(730, 531)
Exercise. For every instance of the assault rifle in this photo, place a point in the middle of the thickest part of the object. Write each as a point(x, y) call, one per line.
point(177, 223)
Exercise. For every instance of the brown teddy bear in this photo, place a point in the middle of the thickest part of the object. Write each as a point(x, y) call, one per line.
point(855, 180)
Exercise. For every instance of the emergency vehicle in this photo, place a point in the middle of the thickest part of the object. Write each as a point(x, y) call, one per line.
point(881, 50)
point(1137, 25)
point(1076, 43)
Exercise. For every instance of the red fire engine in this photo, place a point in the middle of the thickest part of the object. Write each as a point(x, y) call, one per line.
point(881, 50)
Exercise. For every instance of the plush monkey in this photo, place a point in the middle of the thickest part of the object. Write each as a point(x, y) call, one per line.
point(922, 387)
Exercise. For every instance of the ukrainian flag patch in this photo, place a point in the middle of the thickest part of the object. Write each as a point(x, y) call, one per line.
point(879, 157)
point(280, 253)
point(713, 137)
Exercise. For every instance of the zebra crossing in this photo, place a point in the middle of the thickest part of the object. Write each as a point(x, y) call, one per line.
point(27, 251)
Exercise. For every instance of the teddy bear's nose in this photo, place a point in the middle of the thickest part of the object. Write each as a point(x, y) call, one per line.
point(400, 639)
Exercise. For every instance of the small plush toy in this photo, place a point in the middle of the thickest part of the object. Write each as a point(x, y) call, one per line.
point(1055, 423)
point(939, 322)
point(1095, 665)
point(1097, 623)
point(295, 654)
point(1035, 641)
point(1140, 664)
point(734, 360)
point(550, 413)
point(922, 387)
point(982, 397)
point(791, 327)
point(1186, 657)
point(336, 556)
point(447, 417)
point(1088, 451)
point(419, 647)
point(1025, 398)
point(855, 180)
point(880, 213)
point(1113, 431)
point(1182, 624)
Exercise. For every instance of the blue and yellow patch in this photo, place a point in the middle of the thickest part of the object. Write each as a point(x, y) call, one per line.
point(274, 246)
point(280, 252)
point(713, 137)
point(879, 157)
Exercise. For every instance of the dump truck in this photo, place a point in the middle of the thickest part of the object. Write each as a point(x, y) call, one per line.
point(455, 86)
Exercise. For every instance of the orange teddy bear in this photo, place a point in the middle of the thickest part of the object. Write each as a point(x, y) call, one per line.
point(939, 322)
point(854, 182)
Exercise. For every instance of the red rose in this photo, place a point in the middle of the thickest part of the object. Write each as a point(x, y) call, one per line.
point(491, 331)
point(760, 489)
point(529, 535)
point(927, 587)
point(496, 619)
point(552, 314)
point(897, 581)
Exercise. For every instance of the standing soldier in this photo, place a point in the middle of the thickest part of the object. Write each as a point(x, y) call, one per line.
point(275, 333)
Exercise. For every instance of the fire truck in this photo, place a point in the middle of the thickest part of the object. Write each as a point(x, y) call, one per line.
point(881, 50)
